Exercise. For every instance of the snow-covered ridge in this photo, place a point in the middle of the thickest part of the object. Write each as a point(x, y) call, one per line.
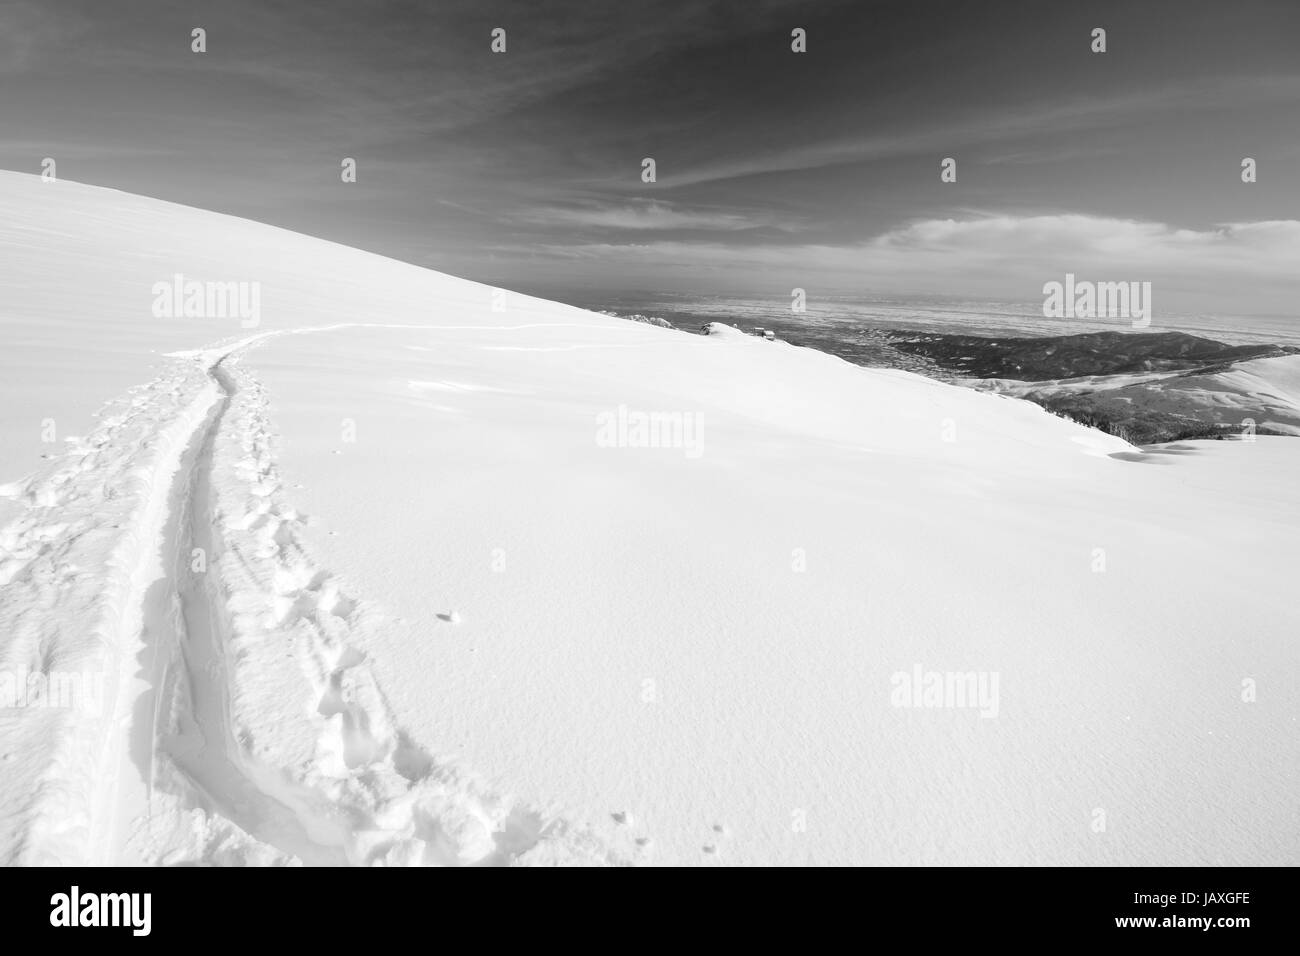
point(504, 636)
point(1240, 398)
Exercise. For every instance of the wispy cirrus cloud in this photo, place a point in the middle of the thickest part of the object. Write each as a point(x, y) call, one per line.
point(1010, 123)
point(647, 215)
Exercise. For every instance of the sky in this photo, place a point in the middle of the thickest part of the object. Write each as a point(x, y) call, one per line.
point(774, 169)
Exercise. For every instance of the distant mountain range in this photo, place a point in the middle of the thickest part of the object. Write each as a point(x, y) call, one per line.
point(1146, 388)
point(1074, 356)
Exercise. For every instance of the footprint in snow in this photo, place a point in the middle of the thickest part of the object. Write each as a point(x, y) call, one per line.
point(721, 830)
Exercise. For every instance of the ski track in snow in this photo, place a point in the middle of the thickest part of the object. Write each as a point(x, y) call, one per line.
point(208, 603)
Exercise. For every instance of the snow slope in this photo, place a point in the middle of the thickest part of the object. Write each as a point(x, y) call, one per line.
point(387, 580)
